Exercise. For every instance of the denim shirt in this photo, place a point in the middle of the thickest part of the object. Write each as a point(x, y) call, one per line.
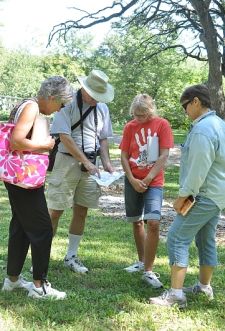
point(202, 168)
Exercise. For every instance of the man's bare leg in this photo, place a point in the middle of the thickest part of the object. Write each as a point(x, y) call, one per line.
point(76, 231)
point(78, 220)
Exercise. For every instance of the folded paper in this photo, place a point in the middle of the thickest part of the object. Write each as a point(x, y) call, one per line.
point(106, 178)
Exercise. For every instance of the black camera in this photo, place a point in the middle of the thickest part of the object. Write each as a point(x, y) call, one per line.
point(91, 156)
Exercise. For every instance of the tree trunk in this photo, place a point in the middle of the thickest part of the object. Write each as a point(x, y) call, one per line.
point(209, 38)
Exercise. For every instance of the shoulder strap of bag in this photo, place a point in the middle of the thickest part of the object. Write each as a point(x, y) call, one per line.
point(16, 107)
point(80, 105)
point(82, 117)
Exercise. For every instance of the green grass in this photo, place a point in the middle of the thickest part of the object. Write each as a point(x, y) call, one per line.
point(171, 182)
point(107, 298)
point(179, 136)
point(114, 151)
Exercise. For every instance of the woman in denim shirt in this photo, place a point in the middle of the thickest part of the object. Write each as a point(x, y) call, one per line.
point(202, 175)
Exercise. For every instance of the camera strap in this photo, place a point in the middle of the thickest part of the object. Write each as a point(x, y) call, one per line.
point(83, 116)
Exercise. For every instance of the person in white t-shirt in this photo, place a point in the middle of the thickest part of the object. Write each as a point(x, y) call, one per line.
point(70, 184)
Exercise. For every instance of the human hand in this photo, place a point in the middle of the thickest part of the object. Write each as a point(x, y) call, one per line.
point(178, 204)
point(109, 168)
point(139, 185)
point(50, 142)
point(91, 168)
point(47, 145)
point(147, 180)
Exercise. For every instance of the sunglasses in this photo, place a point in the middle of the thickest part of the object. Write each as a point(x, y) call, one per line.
point(184, 105)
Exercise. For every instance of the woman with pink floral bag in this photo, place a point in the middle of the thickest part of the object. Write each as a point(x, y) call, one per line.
point(30, 224)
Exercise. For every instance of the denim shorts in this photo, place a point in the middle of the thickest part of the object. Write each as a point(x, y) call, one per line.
point(199, 224)
point(143, 206)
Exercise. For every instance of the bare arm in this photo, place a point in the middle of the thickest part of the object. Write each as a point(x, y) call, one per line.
point(137, 184)
point(159, 165)
point(75, 151)
point(104, 154)
point(23, 126)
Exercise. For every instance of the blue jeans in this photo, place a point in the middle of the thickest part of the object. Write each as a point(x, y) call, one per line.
point(143, 206)
point(200, 223)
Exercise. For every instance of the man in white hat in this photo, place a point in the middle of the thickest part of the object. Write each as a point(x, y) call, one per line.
point(70, 184)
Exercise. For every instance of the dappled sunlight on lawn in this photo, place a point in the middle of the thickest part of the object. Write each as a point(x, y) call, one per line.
point(108, 297)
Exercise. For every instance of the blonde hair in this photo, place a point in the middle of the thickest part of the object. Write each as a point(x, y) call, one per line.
point(144, 103)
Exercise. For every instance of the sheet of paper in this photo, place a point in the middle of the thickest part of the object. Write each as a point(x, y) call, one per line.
point(107, 178)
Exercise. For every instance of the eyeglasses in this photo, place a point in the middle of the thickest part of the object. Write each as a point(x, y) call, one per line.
point(184, 105)
point(140, 115)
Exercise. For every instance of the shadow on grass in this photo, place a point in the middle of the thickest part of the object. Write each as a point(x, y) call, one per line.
point(107, 298)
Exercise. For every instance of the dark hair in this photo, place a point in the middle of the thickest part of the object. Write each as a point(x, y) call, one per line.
point(200, 91)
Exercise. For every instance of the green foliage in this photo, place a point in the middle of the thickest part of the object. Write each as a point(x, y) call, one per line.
point(122, 57)
point(188, 73)
point(70, 56)
point(179, 136)
point(4, 116)
point(60, 64)
point(79, 46)
point(20, 74)
point(164, 76)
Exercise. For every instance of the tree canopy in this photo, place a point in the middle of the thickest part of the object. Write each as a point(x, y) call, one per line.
point(163, 76)
point(204, 20)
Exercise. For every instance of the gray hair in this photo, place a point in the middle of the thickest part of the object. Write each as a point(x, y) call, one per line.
point(58, 87)
point(144, 103)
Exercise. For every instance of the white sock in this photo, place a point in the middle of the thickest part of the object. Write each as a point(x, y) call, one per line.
point(203, 286)
point(74, 241)
point(177, 292)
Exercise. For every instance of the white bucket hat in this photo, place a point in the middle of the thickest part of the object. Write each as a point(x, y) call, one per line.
point(97, 86)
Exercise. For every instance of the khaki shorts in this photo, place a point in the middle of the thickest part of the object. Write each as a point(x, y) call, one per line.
point(68, 185)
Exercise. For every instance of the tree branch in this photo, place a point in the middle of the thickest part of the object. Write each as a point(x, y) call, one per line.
point(62, 28)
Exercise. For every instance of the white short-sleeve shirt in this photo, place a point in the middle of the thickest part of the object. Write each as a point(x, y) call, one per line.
point(70, 114)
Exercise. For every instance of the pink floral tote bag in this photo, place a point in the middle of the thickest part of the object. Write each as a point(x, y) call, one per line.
point(24, 169)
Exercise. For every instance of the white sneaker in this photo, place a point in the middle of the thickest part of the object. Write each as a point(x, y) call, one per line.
point(152, 279)
point(8, 285)
point(74, 264)
point(45, 292)
point(197, 289)
point(169, 299)
point(137, 266)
